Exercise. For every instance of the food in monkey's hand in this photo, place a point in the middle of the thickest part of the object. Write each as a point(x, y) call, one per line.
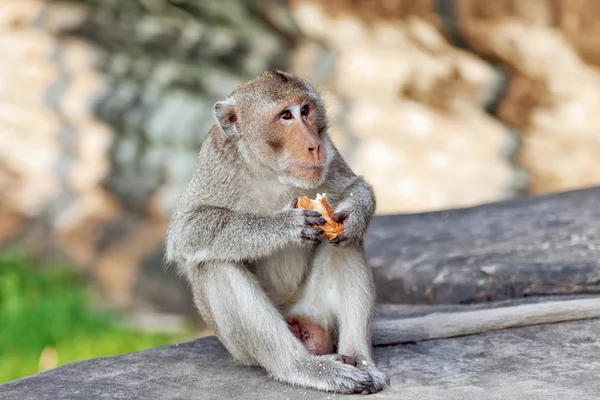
point(332, 229)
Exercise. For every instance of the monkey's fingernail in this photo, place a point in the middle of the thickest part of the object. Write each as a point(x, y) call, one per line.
point(295, 202)
point(313, 214)
point(340, 216)
point(320, 231)
point(322, 221)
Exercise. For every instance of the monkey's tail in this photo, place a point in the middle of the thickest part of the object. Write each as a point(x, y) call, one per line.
point(452, 324)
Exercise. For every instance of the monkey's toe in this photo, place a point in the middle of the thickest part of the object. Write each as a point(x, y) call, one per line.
point(366, 388)
point(344, 359)
point(379, 379)
point(349, 360)
point(353, 380)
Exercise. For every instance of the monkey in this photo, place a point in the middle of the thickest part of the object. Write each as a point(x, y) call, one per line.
point(274, 291)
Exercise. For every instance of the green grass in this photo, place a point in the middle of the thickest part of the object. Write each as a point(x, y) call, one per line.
point(45, 307)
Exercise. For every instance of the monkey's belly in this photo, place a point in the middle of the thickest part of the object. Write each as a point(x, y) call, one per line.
point(282, 275)
point(315, 338)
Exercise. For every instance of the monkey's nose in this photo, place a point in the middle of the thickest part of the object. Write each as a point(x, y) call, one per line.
point(315, 151)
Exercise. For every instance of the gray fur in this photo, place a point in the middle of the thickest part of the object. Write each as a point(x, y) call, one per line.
point(251, 258)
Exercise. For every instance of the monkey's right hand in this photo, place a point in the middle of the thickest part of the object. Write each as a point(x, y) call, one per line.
point(304, 224)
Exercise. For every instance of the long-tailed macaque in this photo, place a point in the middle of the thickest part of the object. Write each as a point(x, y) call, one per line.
point(274, 290)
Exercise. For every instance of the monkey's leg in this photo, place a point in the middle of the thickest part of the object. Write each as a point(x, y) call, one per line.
point(350, 282)
point(254, 331)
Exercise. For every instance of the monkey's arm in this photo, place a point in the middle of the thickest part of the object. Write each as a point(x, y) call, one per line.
point(452, 324)
point(207, 233)
point(354, 201)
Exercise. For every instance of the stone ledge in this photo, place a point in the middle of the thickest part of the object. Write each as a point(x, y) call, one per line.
point(555, 361)
point(545, 245)
point(488, 252)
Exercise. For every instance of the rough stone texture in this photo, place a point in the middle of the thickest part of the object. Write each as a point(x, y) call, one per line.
point(523, 247)
point(545, 362)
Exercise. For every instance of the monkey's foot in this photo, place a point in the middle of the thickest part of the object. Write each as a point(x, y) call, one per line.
point(315, 338)
point(380, 380)
point(327, 373)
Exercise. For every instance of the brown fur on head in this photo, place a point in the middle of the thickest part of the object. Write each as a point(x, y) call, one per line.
point(279, 120)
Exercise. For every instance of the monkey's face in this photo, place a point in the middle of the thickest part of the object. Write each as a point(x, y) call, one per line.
point(279, 121)
point(292, 141)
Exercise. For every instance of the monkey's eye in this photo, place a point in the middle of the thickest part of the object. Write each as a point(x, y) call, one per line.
point(305, 110)
point(286, 115)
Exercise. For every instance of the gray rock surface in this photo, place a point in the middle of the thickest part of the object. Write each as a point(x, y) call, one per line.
point(529, 246)
point(549, 362)
point(547, 245)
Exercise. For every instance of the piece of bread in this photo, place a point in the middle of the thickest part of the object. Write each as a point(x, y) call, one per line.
point(331, 229)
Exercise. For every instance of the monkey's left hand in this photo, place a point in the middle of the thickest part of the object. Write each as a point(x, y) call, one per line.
point(353, 228)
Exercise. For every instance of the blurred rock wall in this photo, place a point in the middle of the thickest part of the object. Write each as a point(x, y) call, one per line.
point(552, 50)
point(415, 123)
point(103, 106)
point(439, 104)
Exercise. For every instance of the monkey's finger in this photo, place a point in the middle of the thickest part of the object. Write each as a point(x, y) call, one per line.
point(312, 214)
point(316, 221)
point(340, 216)
point(338, 240)
point(313, 232)
point(310, 240)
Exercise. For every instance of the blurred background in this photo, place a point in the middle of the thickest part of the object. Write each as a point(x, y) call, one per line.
point(104, 104)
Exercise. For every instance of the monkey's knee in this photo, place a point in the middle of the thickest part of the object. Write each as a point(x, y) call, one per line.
point(315, 338)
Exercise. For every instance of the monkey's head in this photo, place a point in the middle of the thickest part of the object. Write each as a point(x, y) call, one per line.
point(278, 120)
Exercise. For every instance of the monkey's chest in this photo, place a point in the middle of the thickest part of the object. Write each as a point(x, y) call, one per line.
point(267, 196)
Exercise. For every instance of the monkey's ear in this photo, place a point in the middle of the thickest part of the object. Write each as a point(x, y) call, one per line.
point(226, 116)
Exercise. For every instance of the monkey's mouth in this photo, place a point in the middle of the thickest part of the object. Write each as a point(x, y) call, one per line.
point(305, 168)
point(319, 167)
point(305, 172)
